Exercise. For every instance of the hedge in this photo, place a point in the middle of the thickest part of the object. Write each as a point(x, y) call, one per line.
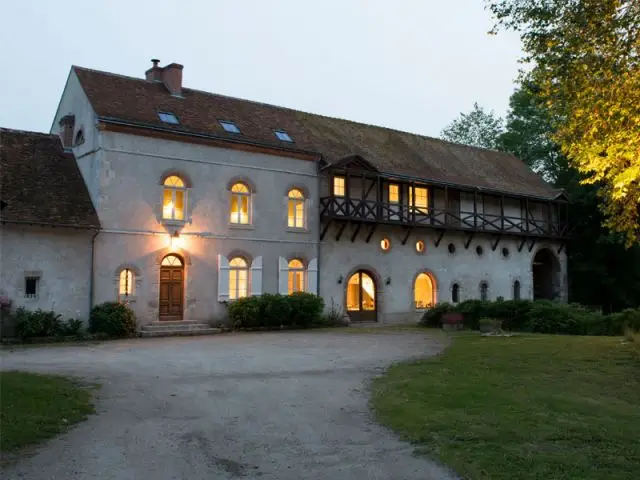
point(540, 316)
point(112, 319)
point(42, 323)
point(299, 310)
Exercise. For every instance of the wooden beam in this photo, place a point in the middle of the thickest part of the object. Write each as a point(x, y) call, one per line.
point(370, 234)
point(439, 238)
point(406, 235)
point(526, 215)
point(521, 244)
point(502, 212)
point(494, 245)
point(561, 248)
point(475, 209)
point(339, 235)
point(533, 242)
point(468, 242)
point(325, 229)
point(355, 232)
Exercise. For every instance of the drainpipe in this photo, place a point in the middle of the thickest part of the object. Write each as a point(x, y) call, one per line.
point(93, 249)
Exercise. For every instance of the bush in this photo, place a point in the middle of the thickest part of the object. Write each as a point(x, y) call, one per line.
point(300, 310)
point(490, 325)
point(334, 317)
point(113, 319)
point(72, 327)
point(433, 316)
point(37, 324)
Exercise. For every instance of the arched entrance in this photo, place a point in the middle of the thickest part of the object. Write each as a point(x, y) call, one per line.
point(362, 297)
point(546, 275)
point(171, 288)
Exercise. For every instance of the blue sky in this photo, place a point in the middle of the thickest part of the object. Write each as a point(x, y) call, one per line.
point(412, 65)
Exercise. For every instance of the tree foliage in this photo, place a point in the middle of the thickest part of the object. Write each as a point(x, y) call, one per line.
point(585, 57)
point(476, 128)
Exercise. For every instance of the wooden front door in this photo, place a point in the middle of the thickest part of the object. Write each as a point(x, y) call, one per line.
point(171, 288)
point(361, 297)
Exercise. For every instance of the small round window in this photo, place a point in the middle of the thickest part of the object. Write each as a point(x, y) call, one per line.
point(420, 246)
point(505, 252)
point(451, 248)
point(479, 250)
point(385, 244)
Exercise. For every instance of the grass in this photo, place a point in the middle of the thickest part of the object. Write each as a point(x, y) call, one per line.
point(35, 407)
point(525, 407)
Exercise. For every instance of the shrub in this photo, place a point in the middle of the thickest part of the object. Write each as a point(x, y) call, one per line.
point(334, 317)
point(113, 319)
point(305, 309)
point(37, 324)
point(72, 327)
point(433, 316)
point(275, 310)
point(487, 325)
point(245, 312)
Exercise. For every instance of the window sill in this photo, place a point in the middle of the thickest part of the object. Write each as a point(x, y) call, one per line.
point(241, 226)
point(166, 221)
point(129, 299)
point(297, 230)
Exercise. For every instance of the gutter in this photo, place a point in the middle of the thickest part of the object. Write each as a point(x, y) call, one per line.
point(91, 270)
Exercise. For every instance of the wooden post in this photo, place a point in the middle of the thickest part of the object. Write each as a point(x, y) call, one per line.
point(475, 209)
point(526, 214)
point(549, 218)
point(502, 212)
point(347, 196)
point(446, 204)
point(379, 198)
point(412, 209)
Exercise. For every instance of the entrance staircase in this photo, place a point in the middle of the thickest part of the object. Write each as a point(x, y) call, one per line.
point(181, 328)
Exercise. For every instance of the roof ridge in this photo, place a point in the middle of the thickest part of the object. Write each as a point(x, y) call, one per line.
point(27, 132)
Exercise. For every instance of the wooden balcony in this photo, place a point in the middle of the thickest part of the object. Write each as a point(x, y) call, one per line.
point(375, 212)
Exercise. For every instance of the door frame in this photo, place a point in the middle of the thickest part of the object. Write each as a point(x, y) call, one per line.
point(361, 315)
point(181, 267)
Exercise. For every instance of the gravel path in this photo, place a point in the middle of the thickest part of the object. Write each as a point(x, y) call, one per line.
point(269, 406)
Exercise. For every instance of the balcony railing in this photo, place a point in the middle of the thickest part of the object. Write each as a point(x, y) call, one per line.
point(371, 211)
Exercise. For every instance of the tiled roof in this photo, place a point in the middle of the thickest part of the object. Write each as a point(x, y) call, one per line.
point(390, 151)
point(41, 183)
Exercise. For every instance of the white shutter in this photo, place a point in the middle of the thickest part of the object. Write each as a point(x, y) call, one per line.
point(256, 276)
point(312, 276)
point(283, 276)
point(223, 278)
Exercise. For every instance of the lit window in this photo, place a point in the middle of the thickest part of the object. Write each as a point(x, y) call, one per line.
point(168, 117)
point(173, 199)
point(284, 136)
point(423, 291)
point(79, 138)
point(385, 244)
point(238, 278)
point(126, 283)
point(31, 286)
point(484, 291)
point(420, 246)
point(516, 290)
point(295, 208)
point(420, 196)
point(296, 276)
point(394, 193)
point(240, 204)
point(171, 261)
point(455, 293)
point(229, 127)
point(338, 186)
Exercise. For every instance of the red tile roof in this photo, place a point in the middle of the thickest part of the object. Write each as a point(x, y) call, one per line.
point(41, 183)
point(392, 152)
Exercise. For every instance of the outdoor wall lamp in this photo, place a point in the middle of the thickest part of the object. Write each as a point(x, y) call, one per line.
point(176, 241)
point(388, 281)
point(340, 279)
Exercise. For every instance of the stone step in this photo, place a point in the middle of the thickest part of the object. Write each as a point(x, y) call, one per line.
point(188, 326)
point(172, 332)
point(166, 323)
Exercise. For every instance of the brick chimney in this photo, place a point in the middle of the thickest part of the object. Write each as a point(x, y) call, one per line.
point(170, 76)
point(67, 125)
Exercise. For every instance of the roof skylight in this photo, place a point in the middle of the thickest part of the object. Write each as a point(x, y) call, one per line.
point(168, 117)
point(284, 136)
point(229, 126)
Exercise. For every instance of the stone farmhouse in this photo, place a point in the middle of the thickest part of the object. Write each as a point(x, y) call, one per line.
point(178, 201)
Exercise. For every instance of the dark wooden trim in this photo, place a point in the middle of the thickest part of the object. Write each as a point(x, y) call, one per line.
point(524, 239)
point(355, 232)
point(406, 235)
point(532, 244)
point(325, 229)
point(342, 227)
point(494, 245)
point(439, 238)
point(561, 247)
point(468, 242)
point(370, 234)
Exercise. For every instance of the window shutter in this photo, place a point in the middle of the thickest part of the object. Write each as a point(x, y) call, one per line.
point(256, 276)
point(283, 276)
point(312, 276)
point(223, 278)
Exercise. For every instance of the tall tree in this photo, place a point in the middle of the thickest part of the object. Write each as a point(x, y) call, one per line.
point(476, 128)
point(585, 57)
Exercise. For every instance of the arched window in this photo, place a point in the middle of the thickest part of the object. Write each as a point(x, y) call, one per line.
point(174, 199)
point(423, 291)
point(484, 291)
point(295, 208)
point(79, 138)
point(516, 290)
point(296, 276)
point(240, 213)
point(455, 293)
point(238, 278)
point(125, 283)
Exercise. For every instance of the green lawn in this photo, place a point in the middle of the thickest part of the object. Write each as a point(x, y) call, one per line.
point(35, 407)
point(525, 407)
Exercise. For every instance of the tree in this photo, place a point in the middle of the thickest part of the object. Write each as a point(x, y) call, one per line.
point(476, 128)
point(585, 57)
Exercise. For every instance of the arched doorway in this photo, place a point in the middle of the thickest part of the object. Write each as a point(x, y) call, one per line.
point(361, 297)
point(424, 295)
point(171, 288)
point(546, 275)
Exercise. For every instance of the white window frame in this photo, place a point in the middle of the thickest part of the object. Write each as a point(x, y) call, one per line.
point(173, 189)
point(237, 269)
point(239, 196)
point(297, 201)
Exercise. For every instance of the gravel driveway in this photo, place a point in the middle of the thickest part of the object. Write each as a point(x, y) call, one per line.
point(268, 406)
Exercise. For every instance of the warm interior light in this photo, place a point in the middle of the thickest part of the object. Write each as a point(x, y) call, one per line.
point(167, 210)
point(176, 241)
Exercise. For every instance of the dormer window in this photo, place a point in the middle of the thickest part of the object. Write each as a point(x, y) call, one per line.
point(229, 126)
point(284, 136)
point(168, 117)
